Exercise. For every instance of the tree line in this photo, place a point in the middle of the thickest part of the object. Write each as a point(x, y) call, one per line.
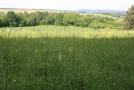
point(12, 19)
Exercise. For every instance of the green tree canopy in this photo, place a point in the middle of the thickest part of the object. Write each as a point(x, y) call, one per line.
point(59, 19)
point(69, 19)
point(30, 20)
point(50, 19)
point(2, 21)
point(129, 19)
point(12, 19)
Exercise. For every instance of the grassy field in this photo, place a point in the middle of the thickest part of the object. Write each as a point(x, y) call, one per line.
point(64, 31)
point(53, 59)
point(28, 10)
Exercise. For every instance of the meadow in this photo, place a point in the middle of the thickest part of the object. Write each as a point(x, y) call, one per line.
point(27, 10)
point(63, 31)
point(66, 58)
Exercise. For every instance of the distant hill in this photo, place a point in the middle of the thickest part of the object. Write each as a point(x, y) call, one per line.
point(113, 12)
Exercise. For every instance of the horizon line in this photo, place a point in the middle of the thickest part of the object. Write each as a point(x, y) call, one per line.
point(61, 10)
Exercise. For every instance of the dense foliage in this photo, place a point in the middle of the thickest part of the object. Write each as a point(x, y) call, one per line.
point(66, 64)
point(13, 19)
point(129, 19)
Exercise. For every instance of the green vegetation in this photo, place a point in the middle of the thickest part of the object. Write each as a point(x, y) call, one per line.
point(37, 61)
point(63, 31)
point(66, 63)
point(107, 15)
point(12, 19)
point(129, 19)
point(65, 51)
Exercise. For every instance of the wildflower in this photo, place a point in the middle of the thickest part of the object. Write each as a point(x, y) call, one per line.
point(14, 80)
point(59, 57)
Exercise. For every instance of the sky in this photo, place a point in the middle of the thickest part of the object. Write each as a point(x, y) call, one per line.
point(68, 4)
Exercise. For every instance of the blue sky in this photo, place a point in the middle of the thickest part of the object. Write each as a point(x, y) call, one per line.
point(68, 4)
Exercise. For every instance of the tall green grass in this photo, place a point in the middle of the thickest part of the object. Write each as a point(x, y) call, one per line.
point(66, 63)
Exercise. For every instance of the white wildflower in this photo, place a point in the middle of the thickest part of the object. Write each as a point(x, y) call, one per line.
point(59, 57)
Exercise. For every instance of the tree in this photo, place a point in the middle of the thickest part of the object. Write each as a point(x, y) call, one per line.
point(21, 21)
point(59, 19)
point(43, 22)
point(87, 20)
point(129, 19)
point(50, 19)
point(12, 19)
point(2, 21)
point(38, 17)
point(69, 19)
point(30, 20)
